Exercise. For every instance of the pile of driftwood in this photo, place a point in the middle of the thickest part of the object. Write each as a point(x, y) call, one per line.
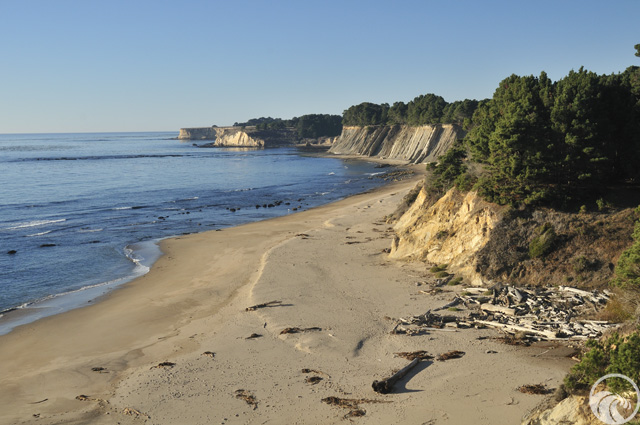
point(540, 313)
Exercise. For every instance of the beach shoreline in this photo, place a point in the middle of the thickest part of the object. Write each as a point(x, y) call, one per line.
point(193, 301)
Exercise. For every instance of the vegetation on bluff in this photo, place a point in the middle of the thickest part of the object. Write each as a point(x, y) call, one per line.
point(423, 110)
point(538, 141)
point(309, 126)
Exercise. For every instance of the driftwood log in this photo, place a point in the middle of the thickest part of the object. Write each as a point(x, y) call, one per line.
point(263, 305)
point(386, 385)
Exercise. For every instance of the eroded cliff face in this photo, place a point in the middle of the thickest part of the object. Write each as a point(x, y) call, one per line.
point(450, 230)
point(236, 137)
point(400, 142)
point(199, 133)
point(240, 136)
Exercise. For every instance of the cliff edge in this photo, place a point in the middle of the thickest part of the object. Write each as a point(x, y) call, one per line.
point(239, 136)
point(414, 145)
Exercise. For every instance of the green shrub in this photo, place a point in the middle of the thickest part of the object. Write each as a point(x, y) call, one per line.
point(455, 281)
point(627, 272)
point(542, 244)
point(615, 355)
point(438, 268)
point(442, 274)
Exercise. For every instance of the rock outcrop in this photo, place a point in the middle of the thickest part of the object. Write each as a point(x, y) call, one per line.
point(450, 230)
point(399, 142)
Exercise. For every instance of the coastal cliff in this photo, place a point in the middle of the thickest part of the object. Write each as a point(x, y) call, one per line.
point(485, 242)
point(415, 145)
point(239, 136)
point(450, 230)
point(197, 133)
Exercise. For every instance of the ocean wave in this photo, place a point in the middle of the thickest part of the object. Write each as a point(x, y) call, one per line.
point(121, 208)
point(375, 174)
point(90, 230)
point(34, 223)
point(39, 234)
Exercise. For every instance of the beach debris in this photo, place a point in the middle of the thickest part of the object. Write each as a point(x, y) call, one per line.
point(164, 365)
point(41, 401)
point(253, 336)
point(83, 397)
point(298, 330)
point(99, 369)
point(525, 315)
point(355, 413)
point(349, 403)
point(209, 354)
point(313, 379)
point(454, 354)
point(249, 398)
point(534, 389)
point(303, 235)
point(386, 385)
point(130, 411)
point(263, 305)
point(412, 355)
point(318, 372)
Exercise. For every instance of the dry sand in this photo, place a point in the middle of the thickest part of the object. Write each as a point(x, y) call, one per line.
point(328, 268)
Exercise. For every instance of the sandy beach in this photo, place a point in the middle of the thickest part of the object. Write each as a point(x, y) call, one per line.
point(328, 268)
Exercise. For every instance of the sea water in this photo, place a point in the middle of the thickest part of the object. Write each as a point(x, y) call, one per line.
point(81, 213)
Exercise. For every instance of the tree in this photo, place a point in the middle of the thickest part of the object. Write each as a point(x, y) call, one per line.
point(637, 47)
point(513, 137)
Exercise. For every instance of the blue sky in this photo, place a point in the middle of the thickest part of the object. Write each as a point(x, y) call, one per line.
point(90, 66)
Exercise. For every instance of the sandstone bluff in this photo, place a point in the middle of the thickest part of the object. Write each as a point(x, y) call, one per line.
point(419, 144)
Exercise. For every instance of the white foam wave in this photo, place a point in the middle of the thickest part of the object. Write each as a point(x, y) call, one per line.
point(40, 234)
point(332, 174)
point(375, 174)
point(34, 223)
point(121, 208)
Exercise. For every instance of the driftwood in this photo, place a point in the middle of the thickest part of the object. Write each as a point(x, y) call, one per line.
point(541, 314)
point(298, 330)
point(498, 308)
point(263, 305)
point(253, 336)
point(386, 385)
point(163, 365)
point(412, 355)
point(209, 354)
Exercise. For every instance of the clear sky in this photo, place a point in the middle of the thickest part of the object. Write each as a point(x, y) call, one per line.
point(145, 65)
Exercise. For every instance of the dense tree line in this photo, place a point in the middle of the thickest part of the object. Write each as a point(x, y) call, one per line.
point(423, 110)
point(306, 126)
point(542, 141)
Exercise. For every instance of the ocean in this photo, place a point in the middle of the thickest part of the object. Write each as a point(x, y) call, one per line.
point(82, 213)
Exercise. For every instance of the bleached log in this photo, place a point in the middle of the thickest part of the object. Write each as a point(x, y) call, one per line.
point(517, 328)
point(498, 309)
